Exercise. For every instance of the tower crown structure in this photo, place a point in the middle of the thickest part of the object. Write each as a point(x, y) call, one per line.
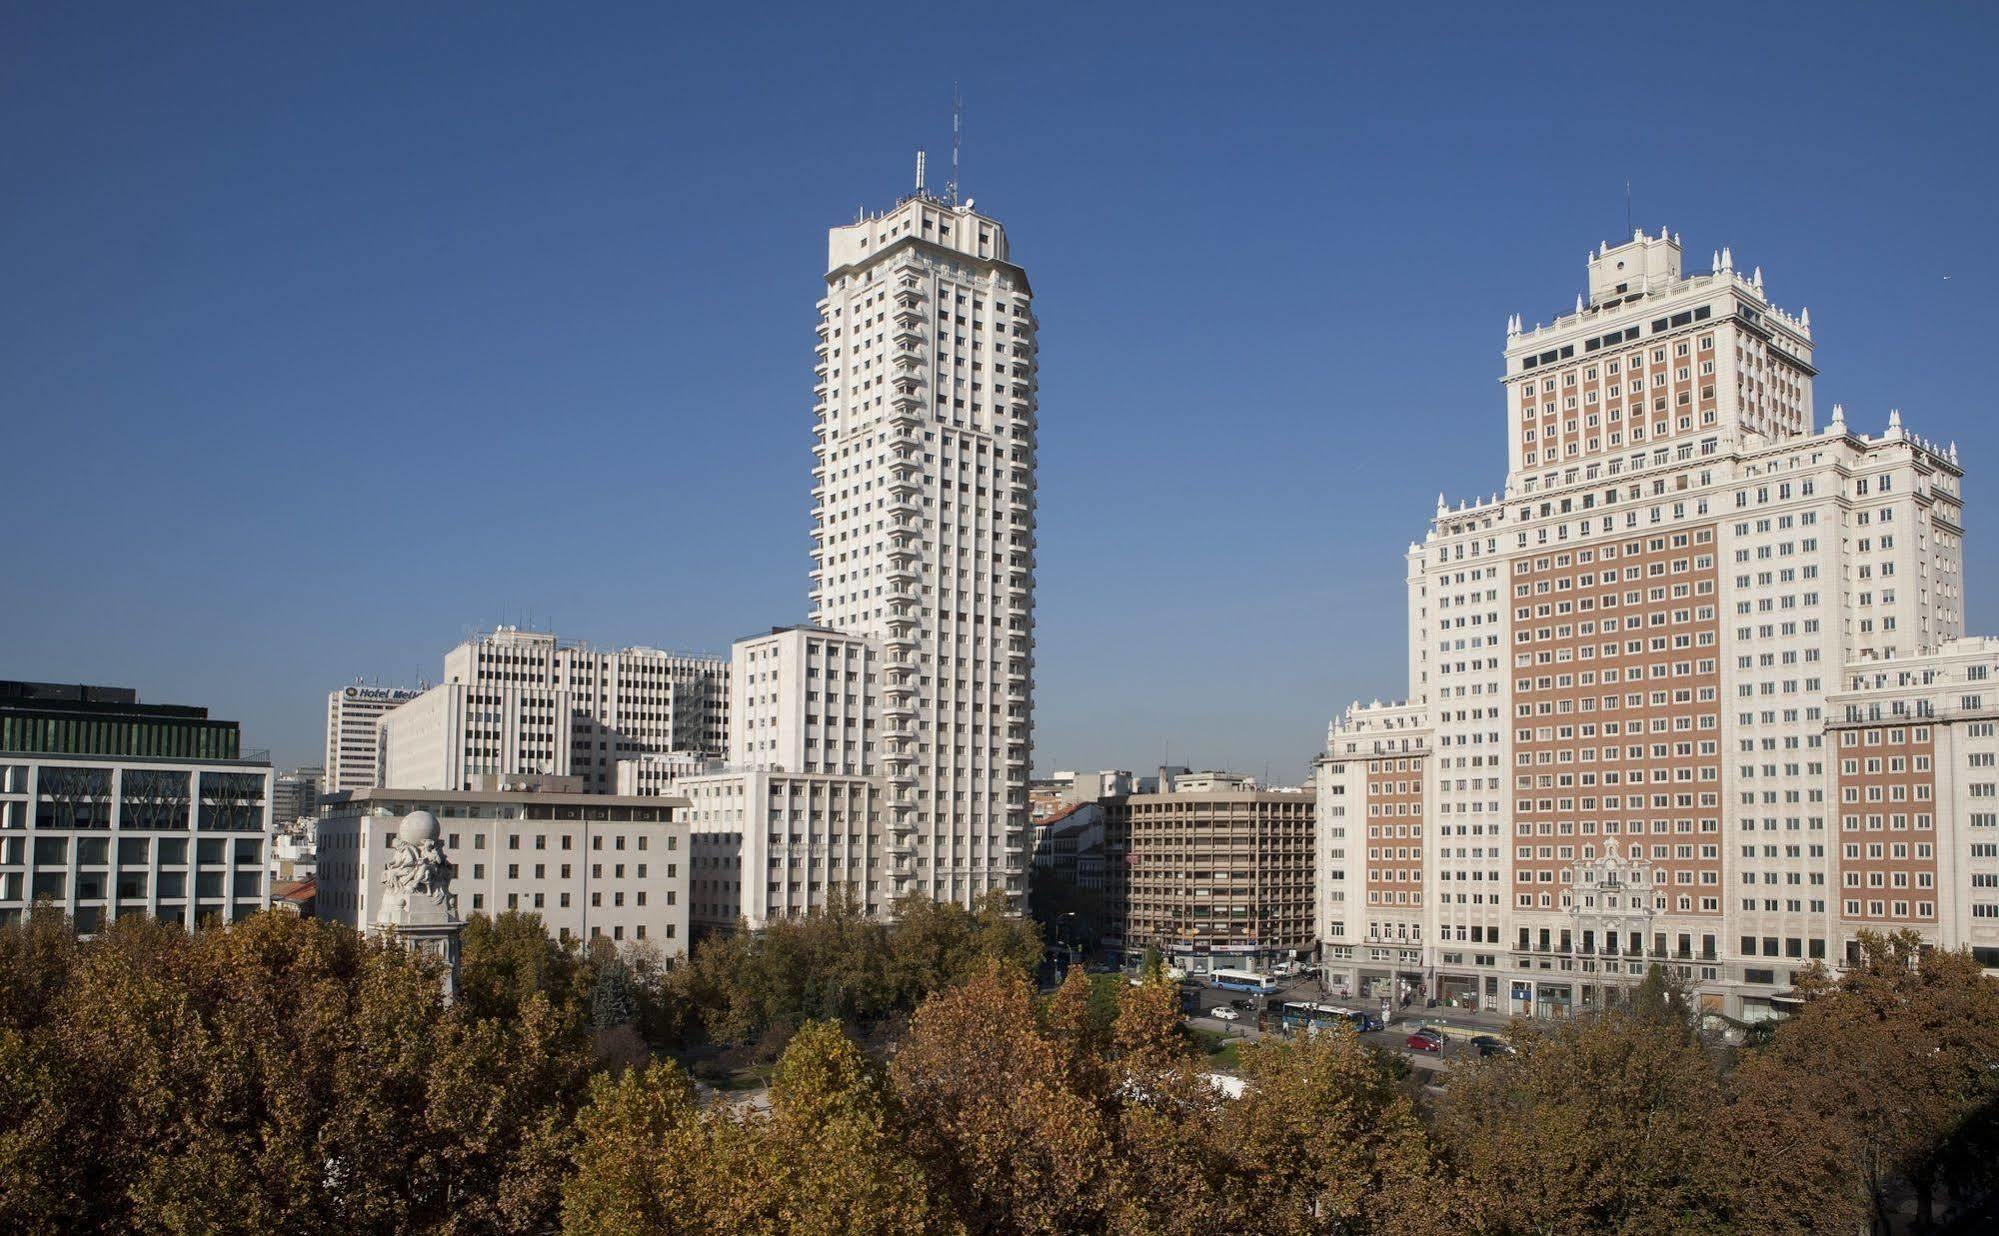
point(1633, 268)
point(1653, 358)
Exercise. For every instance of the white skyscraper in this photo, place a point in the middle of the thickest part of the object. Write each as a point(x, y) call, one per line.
point(351, 717)
point(923, 513)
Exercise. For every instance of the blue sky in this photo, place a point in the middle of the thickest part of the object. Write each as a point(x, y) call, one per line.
point(329, 332)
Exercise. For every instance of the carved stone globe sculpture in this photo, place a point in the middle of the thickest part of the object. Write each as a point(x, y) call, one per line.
point(417, 905)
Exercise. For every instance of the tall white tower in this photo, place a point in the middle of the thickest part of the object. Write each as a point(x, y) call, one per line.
point(923, 526)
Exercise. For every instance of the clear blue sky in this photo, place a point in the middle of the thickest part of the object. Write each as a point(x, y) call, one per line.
point(327, 332)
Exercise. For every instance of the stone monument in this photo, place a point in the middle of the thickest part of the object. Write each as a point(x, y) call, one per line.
point(418, 907)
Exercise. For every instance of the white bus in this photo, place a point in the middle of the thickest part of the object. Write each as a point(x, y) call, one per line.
point(1242, 980)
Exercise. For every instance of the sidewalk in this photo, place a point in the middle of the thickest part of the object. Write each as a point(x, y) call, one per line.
point(1476, 1021)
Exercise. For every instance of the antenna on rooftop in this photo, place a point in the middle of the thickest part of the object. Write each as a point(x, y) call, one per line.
point(1627, 206)
point(957, 137)
point(919, 171)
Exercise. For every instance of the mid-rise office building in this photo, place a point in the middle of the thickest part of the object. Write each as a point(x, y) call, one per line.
point(1215, 875)
point(99, 820)
point(795, 819)
point(353, 755)
point(924, 525)
point(1615, 747)
point(460, 737)
point(59, 718)
point(623, 703)
point(589, 865)
point(295, 794)
point(660, 772)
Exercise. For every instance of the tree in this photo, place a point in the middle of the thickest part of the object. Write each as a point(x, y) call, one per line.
point(1662, 996)
point(833, 1150)
point(825, 1159)
point(506, 960)
point(1598, 1125)
point(1322, 1140)
point(987, 1115)
point(1898, 1050)
point(640, 1156)
point(279, 1073)
point(1079, 1033)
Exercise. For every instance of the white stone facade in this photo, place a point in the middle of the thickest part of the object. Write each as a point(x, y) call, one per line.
point(589, 865)
point(458, 737)
point(797, 817)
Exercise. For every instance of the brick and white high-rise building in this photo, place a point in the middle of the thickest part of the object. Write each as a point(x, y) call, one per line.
point(1616, 748)
point(923, 526)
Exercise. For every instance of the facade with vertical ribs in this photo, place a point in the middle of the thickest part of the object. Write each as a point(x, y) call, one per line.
point(793, 822)
point(923, 507)
point(1211, 871)
point(516, 703)
point(1621, 665)
point(353, 740)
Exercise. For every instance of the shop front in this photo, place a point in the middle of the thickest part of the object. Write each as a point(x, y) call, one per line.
point(1459, 991)
point(1554, 1000)
point(1534, 998)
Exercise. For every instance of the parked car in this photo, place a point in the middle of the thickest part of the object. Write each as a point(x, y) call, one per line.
point(1225, 1013)
point(1242, 1004)
point(1491, 1045)
point(1428, 1040)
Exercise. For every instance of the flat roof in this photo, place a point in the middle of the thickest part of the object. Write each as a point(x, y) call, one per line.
point(540, 797)
point(246, 763)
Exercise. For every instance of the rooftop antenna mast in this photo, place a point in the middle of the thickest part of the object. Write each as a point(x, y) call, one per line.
point(1627, 208)
point(957, 137)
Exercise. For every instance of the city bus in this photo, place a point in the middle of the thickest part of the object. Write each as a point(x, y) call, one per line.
point(1305, 1015)
point(1242, 980)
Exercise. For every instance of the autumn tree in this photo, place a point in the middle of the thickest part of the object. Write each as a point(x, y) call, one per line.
point(641, 1156)
point(1321, 1140)
point(1897, 1054)
point(1599, 1125)
point(277, 1074)
point(1079, 1033)
point(838, 963)
point(827, 1158)
point(830, 1157)
point(1011, 1147)
point(505, 961)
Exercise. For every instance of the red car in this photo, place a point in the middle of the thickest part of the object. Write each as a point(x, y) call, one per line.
point(1426, 1040)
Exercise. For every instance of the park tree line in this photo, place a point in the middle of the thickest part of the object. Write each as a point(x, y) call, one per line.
point(281, 1074)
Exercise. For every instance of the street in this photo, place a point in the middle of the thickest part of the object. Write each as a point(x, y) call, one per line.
point(1199, 1003)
